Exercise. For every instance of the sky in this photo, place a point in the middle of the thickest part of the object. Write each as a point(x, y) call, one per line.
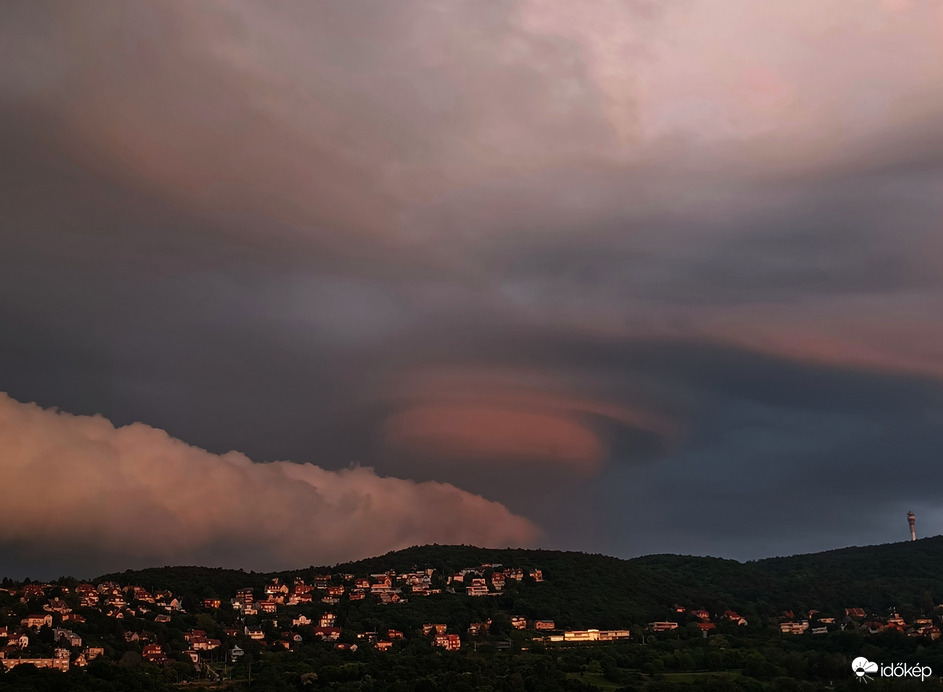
point(292, 283)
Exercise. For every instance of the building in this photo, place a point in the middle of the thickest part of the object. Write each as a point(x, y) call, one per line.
point(793, 627)
point(68, 637)
point(61, 664)
point(37, 621)
point(662, 626)
point(449, 642)
point(590, 635)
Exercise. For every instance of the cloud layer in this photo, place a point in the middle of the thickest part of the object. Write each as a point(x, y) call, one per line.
point(79, 486)
point(632, 259)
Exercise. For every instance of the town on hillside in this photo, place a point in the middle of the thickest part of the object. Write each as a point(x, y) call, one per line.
point(63, 626)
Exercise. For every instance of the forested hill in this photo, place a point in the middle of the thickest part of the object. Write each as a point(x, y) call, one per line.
point(595, 590)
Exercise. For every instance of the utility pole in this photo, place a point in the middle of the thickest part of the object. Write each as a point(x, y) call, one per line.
point(912, 520)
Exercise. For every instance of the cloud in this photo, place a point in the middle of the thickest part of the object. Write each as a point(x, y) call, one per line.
point(506, 415)
point(492, 433)
point(77, 484)
point(262, 226)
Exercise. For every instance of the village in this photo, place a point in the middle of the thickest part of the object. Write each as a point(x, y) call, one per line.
point(281, 616)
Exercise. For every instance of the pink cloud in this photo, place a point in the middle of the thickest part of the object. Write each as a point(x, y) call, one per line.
point(78, 483)
point(500, 414)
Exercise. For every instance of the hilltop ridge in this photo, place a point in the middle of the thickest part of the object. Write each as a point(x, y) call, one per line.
point(601, 590)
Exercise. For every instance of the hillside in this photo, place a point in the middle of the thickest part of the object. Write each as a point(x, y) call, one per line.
point(594, 590)
point(522, 626)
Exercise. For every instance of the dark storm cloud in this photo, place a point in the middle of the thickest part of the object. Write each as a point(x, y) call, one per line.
point(644, 260)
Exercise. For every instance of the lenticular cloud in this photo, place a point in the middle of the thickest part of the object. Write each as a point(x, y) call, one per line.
point(81, 486)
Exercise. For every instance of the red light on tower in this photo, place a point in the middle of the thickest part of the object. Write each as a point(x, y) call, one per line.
point(912, 520)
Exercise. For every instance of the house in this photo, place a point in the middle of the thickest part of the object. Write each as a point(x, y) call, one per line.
point(73, 617)
point(544, 625)
point(330, 634)
point(204, 643)
point(381, 585)
point(662, 626)
point(140, 594)
point(793, 627)
point(518, 622)
point(254, 633)
point(383, 645)
point(449, 642)
point(437, 628)
point(301, 621)
point(57, 606)
point(37, 621)
point(732, 616)
point(108, 587)
point(854, 612)
point(93, 652)
point(701, 615)
point(335, 590)
point(33, 591)
point(477, 587)
point(497, 580)
point(394, 634)
point(276, 588)
point(820, 630)
point(268, 606)
point(327, 620)
point(706, 626)
point(212, 603)
point(67, 636)
point(476, 628)
point(362, 583)
point(163, 617)
point(357, 595)
point(153, 653)
point(245, 596)
point(537, 575)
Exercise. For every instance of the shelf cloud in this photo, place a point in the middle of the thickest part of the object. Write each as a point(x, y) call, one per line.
point(80, 485)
